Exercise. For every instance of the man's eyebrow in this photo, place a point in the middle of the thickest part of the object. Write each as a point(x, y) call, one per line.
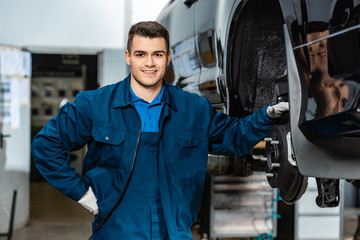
point(139, 51)
point(142, 52)
point(159, 51)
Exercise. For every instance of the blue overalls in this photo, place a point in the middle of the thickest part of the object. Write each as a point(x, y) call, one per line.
point(141, 205)
point(141, 212)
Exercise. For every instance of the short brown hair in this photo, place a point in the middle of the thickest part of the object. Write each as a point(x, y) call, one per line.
point(148, 29)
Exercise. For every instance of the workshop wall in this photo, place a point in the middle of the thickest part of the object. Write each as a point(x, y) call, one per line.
point(80, 24)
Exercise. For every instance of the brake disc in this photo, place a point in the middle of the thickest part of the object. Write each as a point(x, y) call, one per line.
point(282, 172)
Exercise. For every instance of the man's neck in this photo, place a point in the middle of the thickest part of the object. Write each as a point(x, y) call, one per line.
point(146, 93)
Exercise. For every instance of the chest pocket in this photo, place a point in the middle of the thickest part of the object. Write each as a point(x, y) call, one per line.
point(109, 145)
point(185, 155)
point(188, 139)
point(108, 135)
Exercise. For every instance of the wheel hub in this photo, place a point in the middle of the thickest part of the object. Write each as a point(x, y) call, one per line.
point(282, 172)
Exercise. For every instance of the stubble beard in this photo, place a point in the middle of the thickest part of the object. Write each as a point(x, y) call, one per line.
point(148, 86)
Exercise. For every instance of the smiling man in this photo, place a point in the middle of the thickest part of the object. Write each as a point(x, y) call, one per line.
point(147, 58)
point(148, 144)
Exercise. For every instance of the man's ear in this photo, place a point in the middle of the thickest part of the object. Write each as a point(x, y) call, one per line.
point(127, 57)
point(168, 58)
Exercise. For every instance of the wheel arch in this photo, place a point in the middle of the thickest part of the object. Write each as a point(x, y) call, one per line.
point(241, 103)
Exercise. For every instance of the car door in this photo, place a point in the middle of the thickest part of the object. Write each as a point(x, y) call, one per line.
point(178, 16)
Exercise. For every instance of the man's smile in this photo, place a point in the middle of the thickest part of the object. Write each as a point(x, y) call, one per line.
point(150, 72)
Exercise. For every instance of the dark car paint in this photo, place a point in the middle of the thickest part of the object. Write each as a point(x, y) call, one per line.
point(199, 35)
point(325, 146)
point(198, 55)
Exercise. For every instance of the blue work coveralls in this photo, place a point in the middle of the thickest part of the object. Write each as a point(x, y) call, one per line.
point(107, 121)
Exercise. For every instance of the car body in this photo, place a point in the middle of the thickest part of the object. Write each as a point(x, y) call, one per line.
point(245, 55)
point(203, 43)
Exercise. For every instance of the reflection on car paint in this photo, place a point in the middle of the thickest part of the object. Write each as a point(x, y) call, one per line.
point(327, 50)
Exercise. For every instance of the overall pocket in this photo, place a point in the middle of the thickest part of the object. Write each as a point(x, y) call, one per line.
point(110, 142)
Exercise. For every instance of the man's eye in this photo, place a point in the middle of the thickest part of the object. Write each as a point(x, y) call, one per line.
point(139, 55)
point(158, 55)
point(344, 101)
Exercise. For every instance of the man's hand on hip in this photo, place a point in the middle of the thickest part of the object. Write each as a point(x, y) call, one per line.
point(89, 202)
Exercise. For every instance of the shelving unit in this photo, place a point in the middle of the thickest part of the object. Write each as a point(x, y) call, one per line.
point(242, 206)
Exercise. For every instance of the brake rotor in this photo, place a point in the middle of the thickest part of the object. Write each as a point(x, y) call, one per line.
point(282, 172)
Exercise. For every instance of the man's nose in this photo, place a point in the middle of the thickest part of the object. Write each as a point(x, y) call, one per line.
point(149, 61)
point(330, 82)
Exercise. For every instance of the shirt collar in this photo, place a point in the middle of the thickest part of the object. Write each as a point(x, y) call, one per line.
point(122, 96)
point(157, 99)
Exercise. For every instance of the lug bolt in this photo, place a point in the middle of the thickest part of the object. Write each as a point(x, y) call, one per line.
point(269, 174)
point(275, 164)
point(267, 139)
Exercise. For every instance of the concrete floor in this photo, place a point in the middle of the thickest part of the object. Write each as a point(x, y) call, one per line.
point(53, 216)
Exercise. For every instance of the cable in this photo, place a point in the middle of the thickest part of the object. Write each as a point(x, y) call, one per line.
point(274, 214)
point(265, 236)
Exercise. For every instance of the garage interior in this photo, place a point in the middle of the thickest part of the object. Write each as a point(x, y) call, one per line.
point(233, 207)
point(234, 200)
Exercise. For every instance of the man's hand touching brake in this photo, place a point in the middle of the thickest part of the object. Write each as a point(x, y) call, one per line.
point(278, 110)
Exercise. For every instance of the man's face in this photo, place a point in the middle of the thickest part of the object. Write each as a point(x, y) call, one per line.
point(318, 51)
point(148, 58)
point(331, 97)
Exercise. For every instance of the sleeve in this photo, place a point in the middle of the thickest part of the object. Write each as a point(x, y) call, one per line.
point(70, 130)
point(237, 136)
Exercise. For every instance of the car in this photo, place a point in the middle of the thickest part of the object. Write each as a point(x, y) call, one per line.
point(243, 55)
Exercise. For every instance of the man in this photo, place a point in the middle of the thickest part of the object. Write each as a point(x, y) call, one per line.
point(148, 143)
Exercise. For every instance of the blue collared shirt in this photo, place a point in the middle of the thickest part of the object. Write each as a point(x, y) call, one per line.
point(149, 112)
